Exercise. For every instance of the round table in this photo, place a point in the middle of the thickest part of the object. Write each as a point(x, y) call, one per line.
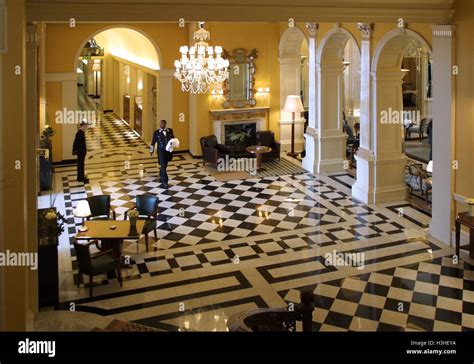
point(258, 150)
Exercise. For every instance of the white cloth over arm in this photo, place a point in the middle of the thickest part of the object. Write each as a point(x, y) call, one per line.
point(172, 144)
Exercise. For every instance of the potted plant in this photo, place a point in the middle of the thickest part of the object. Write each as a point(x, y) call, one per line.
point(238, 139)
point(45, 140)
point(51, 225)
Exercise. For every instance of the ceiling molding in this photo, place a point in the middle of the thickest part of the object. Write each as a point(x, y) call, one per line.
point(416, 11)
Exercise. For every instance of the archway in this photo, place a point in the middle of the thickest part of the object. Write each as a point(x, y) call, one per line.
point(384, 177)
point(338, 67)
point(293, 52)
point(122, 79)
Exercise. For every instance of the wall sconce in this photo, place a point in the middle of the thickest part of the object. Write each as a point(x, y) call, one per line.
point(263, 91)
point(140, 85)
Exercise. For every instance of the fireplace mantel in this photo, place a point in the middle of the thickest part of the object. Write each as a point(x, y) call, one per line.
point(237, 114)
point(221, 117)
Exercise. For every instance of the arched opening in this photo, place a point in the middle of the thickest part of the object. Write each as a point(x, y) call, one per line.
point(338, 99)
point(117, 70)
point(392, 114)
point(294, 75)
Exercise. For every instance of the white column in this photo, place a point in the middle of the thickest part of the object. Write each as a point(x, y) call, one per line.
point(165, 97)
point(309, 161)
point(331, 139)
point(443, 132)
point(363, 187)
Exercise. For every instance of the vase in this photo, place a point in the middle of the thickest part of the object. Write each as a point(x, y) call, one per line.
point(133, 227)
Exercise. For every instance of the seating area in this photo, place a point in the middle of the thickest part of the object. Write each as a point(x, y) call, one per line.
point(101, 221)
point(212, 151)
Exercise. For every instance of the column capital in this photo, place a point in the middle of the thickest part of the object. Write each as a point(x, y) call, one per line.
point(365, 30)
point(312, 29)
point(443, 31)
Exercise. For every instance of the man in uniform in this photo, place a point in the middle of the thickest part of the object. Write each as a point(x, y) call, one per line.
point(161, 137)
point(79, 148)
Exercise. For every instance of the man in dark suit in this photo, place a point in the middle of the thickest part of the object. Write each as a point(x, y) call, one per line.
point(161, 137)
point(79, 148)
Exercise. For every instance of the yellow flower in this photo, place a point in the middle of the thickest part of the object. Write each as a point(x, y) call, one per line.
point(50, 215)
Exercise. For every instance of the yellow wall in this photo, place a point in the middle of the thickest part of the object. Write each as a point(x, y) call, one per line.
point(464, 134)
point(15, 185)
point(54, 98)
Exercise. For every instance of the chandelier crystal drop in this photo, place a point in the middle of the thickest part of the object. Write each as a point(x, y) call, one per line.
point(200, 65)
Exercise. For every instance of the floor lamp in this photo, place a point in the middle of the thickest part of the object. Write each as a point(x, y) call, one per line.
point(294, 105)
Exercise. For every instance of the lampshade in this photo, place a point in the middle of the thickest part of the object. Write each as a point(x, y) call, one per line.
point(429, 167)
point(82, 209)
point(293, 104)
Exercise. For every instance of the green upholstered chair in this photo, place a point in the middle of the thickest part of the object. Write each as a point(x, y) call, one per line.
point(95, 264)
point(100, 207)
point(147, 207)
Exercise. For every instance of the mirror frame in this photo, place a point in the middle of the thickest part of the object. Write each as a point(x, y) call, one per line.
point(236, 56)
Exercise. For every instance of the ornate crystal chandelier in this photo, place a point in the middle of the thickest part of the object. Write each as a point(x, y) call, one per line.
point(198, 68)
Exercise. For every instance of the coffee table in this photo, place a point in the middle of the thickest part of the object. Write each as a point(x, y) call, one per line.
point(258, 150)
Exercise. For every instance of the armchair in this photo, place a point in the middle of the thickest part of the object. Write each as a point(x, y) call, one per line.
point(100, 208)
point(420, 128)
point(212, 150)
point(417, 179)
point(95, 264)
point(147, 207)
point(267, 138)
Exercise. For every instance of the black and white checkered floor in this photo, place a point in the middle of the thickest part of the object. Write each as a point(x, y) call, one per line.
point(227, 247)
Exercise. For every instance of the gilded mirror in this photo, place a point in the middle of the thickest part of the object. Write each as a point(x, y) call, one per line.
point(239, 88)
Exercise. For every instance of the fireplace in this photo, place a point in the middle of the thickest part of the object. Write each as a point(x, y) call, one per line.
point(239, 127)
point(240, 135)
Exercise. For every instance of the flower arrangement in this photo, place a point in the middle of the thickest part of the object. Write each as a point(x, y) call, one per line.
point(133, 213)
point(238, 136)
point(52, 224)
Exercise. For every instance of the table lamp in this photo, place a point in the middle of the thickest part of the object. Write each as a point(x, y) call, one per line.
point(293, 104)
point(83, 211)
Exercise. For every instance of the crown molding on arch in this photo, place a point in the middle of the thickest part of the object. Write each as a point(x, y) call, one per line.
point(420, 11)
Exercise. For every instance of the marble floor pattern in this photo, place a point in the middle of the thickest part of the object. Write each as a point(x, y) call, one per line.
point(228, 247)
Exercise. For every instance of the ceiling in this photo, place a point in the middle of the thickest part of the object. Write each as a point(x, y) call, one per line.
point(422, 11)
